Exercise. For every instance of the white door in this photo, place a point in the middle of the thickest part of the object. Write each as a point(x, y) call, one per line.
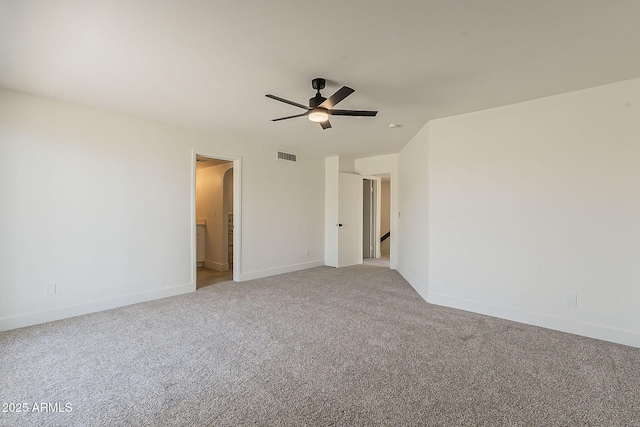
point(349, 225)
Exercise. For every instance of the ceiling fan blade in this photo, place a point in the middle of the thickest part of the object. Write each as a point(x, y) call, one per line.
point(361, 113)
point(325, 125)
point(336, 97)
point(290, 117)
point(286, 101)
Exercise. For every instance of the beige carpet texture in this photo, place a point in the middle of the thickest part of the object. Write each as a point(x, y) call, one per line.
point(322, 347)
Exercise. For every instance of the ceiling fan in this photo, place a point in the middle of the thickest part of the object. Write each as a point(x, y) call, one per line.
point(320, 108)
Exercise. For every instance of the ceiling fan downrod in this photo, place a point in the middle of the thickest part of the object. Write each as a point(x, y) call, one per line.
point(317, 84)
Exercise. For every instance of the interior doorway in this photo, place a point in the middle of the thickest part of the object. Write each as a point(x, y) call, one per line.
point(369, 215)
point(376, 242)
point(215, 220)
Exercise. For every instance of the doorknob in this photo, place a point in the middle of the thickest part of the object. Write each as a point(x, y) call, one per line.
point(339, 225)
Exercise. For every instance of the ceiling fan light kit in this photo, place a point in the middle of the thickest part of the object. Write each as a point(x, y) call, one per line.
point(317, 116)
point(320, 108)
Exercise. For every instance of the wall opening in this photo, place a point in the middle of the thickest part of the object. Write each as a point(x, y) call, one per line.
point(369, 225)
point(214, 218)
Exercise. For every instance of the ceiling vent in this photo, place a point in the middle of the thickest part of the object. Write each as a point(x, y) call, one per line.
point(287, 156)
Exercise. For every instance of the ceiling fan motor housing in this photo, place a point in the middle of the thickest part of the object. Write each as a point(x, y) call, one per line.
point(318, 84)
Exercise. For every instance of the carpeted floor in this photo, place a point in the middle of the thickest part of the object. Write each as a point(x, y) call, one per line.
point(325, 346)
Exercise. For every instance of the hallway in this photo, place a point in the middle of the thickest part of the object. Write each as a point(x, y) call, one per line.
point(207, 276)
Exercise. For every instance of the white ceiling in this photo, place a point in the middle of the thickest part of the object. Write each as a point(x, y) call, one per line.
point(208, 64)
point(207, 162)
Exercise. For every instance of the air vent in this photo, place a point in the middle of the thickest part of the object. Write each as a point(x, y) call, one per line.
point(287, 156)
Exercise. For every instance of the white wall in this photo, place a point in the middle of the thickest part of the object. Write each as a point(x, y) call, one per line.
point(532, 201)
point(332, 167)
point(346, 164)
point(413, 221)
point(283, 212)
point(101, 204)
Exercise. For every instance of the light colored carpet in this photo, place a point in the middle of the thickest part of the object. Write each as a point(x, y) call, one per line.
point(352, 346)
point(377, 262)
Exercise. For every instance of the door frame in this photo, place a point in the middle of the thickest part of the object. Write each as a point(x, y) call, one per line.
point(237, 211)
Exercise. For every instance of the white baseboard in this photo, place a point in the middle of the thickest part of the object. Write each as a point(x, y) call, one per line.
point(280, 270)
point(29, 319)
point(559, 324)
point(217, 266)
point(556, 323)
point(420, 288)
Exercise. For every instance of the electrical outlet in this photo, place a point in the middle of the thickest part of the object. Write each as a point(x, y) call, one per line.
point(50, 289)
point(571, 300)
point(306, 252)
